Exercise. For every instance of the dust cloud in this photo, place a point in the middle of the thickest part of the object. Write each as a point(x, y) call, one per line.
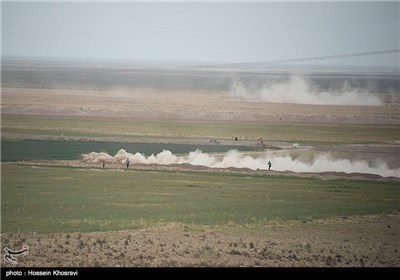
point(321, 163)
point(299, 91)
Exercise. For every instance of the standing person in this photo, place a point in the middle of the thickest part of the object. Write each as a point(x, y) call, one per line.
point(269, 165)
point(127, 163)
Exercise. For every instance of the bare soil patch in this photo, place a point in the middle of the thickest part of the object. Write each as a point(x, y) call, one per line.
point(142, 103)
point(362, 241)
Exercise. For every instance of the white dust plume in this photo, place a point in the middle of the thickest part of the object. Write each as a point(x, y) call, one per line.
point(321, 163)
point(298, 90)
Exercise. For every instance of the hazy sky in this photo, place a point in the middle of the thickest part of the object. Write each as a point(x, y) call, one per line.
point(210, 32)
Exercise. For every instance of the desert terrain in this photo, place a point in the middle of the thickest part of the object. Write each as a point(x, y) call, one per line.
point(184, 106)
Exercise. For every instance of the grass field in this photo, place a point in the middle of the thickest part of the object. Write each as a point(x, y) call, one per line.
point(226, 130)
point(27, 149)
point(67, 199)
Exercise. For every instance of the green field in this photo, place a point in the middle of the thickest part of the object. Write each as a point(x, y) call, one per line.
point(224, 130)
point(67, 199)
point(27, 149)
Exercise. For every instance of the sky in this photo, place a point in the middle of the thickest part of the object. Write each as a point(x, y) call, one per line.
point(227, 32)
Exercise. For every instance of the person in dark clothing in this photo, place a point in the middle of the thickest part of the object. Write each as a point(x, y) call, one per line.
point(269, 165)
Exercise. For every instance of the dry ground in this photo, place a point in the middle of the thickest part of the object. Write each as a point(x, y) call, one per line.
point(340, 242)
point(329, 175)
point(184, 105)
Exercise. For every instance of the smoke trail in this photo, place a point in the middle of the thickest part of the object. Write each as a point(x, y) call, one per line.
point(299, 91)
point(321, 163)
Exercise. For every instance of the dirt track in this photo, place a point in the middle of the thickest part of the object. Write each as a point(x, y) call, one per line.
point(188, 167)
